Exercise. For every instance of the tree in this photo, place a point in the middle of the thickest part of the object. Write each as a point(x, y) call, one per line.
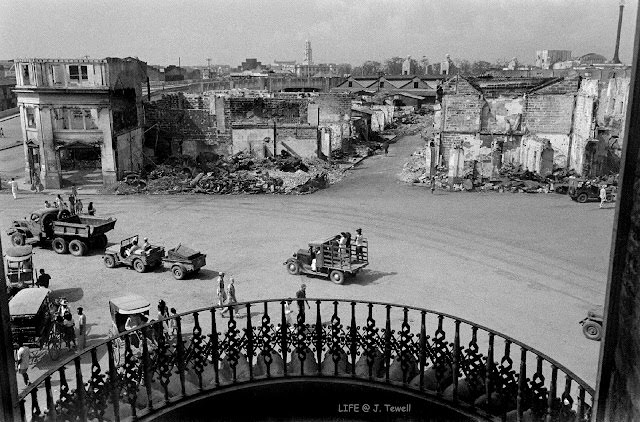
point(480, 67)
point(393, 66)
point(343, 69)
point(463, 66)
point(368, 68)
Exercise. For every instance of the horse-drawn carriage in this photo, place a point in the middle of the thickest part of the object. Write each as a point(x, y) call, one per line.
point(32, 318)
point(19, 269)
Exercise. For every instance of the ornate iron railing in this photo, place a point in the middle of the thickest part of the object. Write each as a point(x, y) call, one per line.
point(439, 356)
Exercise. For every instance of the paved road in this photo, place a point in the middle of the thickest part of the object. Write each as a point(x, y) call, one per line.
point(528, 265)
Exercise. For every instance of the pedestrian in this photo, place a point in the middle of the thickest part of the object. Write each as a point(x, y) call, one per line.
point(433, 184)
point(38, 182)
point(74, 191)
point(603, 195)
point(63, 308)
point(78, 207)
point(1, 133)
point(359, 245)
point(90, 209)
point(70, 332)
point(221, 292)
point(301, 295)
point(14, 188)
point(72, 204)
point(163, 313)
point(173, 323)
point(43, 279)
point(231, 297)
point(22, 359)
point(59, 201)
point(385, 146)
point(288, 312)
point(82, 328)
point(47, 204)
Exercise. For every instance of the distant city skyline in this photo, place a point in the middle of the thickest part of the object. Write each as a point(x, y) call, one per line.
point(340, 31)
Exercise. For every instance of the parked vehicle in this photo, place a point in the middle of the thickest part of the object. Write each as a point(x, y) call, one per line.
point(19, 268)
point(121, 309)
point(140, 260)
point(69, 233)
point(328, 260)
point(581, 190)
point(32, 321)
point(184, 261)
point(592, 324)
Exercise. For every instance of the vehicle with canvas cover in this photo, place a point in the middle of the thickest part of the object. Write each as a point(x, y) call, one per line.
point(121, 309)
point(324, 258)
point(66, 232)
point(32, 322)
point(19, 268)
point(184, 261)
point(132, 255)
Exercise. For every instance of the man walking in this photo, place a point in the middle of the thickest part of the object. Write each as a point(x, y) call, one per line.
point(603, 195)
point(14, 188)
point(82, 329)
point(301, 295)
point(221, 292)
point(22, 359)
point(231, 297)
point(43, 279)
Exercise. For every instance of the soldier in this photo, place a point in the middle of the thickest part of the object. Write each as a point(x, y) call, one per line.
point(301, 295)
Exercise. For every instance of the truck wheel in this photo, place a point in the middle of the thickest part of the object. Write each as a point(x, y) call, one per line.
point(101, 241)
point(293, 267)
point(60, 245)
point(77, 247)
point(139, 266)
point(109, 261)
point(582, 198)
point(592, 330)
point(178, 272)
point(337, 276)
point(17, 239)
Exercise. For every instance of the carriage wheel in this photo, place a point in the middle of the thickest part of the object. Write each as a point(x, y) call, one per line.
point(55, 339)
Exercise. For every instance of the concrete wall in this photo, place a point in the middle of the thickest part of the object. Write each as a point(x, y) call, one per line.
point(297, 140)
point(253, 140)
point(335, 116)
point(502, 114)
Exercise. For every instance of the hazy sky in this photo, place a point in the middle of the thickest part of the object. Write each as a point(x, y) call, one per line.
point(351, 31)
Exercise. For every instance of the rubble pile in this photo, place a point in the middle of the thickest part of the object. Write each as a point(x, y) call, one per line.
point(240, 173)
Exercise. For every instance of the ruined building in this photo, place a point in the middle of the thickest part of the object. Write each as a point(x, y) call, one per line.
point(80, 113)
point(539, 123)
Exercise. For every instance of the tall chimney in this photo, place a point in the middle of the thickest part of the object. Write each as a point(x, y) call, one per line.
point(616, 59)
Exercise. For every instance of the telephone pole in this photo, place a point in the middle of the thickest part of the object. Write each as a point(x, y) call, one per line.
point(209, 67)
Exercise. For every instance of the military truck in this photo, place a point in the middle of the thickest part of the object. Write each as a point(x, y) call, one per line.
point(65, 232)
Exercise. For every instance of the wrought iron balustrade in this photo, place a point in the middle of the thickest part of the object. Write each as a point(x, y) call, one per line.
point(434, 355)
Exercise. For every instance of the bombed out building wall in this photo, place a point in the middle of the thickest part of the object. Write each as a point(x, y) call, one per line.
point(539, 123)
point(194, 124)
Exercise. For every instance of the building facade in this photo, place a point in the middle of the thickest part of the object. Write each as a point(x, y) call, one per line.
point(546, 58)
point(79, 113)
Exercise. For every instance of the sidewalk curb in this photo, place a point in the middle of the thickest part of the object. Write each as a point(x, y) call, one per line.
point(17, 144)
point(12, 116)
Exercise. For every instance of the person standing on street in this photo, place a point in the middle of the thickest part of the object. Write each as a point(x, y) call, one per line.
point(14, 188)
point(433, 184)
point(74, 191)
point(603, 195)
point(231, 297)
point(22, 359)
point(359, 245)
point(82, 329)
point(43, 279)
point(385, 146)
point(79, 206)
point(221, 292)
point(301, 295)
point(72, 204)
point(1, 133)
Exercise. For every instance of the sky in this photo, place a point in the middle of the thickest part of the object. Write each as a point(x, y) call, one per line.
point(341, 31)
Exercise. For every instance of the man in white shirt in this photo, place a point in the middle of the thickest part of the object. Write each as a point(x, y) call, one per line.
point(22, 360)
point(82, 329)
point(14, 188)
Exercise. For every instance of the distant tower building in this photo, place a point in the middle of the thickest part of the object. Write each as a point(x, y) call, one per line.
point(447, 67)
point(406, 66)
point(308, 56)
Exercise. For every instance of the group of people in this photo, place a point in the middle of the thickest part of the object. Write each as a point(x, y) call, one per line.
point(226, 295)
point(74, 206)
point(135, 248)
point(65, 320)
point(344, 245)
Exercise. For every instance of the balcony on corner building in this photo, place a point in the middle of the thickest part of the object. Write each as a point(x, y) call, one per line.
point(67, 74)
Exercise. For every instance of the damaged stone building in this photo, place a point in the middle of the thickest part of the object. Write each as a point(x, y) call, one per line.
point(539, 123)
point(221, 125)
point(80, 114)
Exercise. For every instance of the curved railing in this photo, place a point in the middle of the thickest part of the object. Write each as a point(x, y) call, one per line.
point(437, 356)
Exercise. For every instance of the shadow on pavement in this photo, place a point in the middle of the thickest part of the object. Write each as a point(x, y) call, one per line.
point(366, 277)
point(73, 294)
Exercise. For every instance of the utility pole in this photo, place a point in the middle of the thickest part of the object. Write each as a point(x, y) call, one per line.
point(209, 67)
point(9, 409)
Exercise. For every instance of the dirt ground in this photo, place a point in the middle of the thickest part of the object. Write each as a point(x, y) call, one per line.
point(527, 265)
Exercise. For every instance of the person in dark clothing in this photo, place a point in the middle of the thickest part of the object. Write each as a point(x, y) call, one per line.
point(385, 146)
point(43, 279)
point(72, 204)
point(90, 209)
point(301, 295)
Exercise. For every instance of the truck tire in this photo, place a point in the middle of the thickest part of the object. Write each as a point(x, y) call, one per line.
point(60, 245)
point(77, 247)
point(109, 261)
point(582, 198)
point(337, 276)
point(293, 267)
point(592, 330)
point(17, 239)
point(139, 266)
point(178, 272)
